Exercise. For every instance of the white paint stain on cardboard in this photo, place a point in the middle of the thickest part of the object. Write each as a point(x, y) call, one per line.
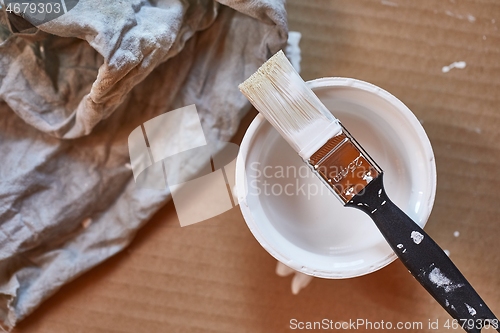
point(456, 64)
point(469, 17)
point(389, 3)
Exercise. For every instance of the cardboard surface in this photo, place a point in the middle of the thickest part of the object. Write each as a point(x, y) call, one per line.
point(215, 277)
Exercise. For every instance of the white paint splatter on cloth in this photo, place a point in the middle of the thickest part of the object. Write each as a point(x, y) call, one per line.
point(417, 237)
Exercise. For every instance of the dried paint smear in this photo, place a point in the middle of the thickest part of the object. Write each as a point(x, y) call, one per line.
point(472, 311)
point(456, 64)
point(441, 281)
point(469, 17)
point(389, 3)
point(417, 237)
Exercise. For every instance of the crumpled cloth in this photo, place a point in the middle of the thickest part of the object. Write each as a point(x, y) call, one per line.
point(72, 91)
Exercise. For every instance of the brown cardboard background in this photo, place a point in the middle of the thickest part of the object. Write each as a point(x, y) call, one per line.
point(214, 277)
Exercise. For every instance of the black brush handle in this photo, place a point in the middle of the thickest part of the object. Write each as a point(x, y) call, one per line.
point(425, 260)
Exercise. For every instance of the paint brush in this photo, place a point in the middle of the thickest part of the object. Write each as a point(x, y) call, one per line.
point(279, 93)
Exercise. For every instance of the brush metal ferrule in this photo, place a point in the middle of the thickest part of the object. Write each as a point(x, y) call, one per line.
point(344, 166)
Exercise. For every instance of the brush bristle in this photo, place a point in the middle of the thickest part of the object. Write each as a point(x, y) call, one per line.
point(279, 93)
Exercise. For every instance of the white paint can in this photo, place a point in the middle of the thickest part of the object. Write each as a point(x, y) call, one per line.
point(294, 216)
